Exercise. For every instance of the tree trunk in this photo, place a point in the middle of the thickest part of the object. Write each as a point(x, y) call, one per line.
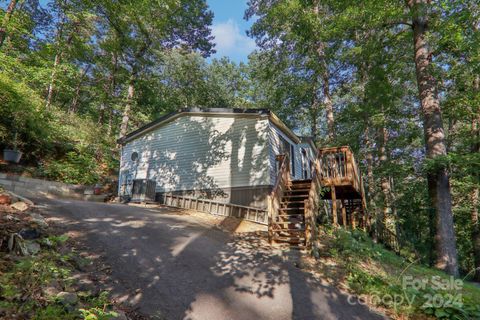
point(476, 232)
point(76, 97)
point(325, 76)
point(6, 19)
point(327, 102)
point(110, 121)
point(475, 192)
point(53, 77)
point(110, 92)
point(370, 179)
point(128, 105)
point(327, 99)
point(131, 85)
point(56, 63)
point(314, 108)
point(385, 180)
point(439, 183)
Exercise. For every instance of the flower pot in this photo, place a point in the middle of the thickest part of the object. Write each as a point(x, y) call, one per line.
point(5, 199)
point(12, 155)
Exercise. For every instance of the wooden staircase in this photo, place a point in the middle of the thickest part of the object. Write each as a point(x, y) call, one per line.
point(289, 223)
point(294, 205)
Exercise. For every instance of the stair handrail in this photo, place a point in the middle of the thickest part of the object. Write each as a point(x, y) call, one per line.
point(312, 203)
point(275, 197)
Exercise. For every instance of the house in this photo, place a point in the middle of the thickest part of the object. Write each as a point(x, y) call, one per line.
point(247, 164)
point(228, 155)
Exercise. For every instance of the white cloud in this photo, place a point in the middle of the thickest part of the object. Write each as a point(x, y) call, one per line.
point(230, 40)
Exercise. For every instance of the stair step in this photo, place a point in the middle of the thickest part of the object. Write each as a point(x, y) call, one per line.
point(292, 202)
point(302, 181)
point(289, 239)
point(297, 190)
point(280, 223)
point(301, 223)
point(290, 230)
point(300, 186)
point(285, 198)
point(290, 209)
point(291, 215)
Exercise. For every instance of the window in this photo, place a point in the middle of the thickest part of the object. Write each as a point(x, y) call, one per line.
point(134, 156)
point(304, 164)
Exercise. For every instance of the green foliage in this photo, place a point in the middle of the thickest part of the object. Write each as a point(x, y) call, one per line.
point(98, 310)
point(75, 167)
point(23, 125)
point(54, 312)
point(22, 285)
point(97, 314)
point(380, 275)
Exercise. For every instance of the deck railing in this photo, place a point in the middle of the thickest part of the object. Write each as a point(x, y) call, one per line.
point(282, 183)
point(338, 167)
point(252, 214)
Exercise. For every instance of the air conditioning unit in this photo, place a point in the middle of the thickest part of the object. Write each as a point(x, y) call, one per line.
point(143, 190)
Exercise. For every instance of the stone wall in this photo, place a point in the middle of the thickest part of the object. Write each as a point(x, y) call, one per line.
point(30, 187)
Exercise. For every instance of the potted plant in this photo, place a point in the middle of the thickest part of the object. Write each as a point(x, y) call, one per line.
point(12, 155)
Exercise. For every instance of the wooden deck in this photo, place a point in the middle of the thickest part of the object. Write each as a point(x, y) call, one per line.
point(294, 206)
point(341, 178)
point(339, 170)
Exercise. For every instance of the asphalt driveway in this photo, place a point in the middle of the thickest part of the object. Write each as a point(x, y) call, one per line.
point(175, 266)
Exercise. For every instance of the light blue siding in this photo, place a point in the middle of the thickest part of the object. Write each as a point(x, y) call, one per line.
point(195, 152)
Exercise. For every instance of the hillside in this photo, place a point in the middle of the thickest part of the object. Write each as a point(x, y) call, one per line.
point(398, 286)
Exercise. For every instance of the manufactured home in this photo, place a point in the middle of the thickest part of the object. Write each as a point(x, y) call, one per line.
point(243, 163)
point(228, 155)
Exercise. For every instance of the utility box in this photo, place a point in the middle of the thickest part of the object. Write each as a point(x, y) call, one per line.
point(143, 190)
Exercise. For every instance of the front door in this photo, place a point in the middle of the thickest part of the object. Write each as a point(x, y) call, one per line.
point(305, 171)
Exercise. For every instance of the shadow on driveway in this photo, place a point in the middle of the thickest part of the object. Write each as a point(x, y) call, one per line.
point(177, 267)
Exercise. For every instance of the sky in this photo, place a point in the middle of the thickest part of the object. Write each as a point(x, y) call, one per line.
point(229, 29)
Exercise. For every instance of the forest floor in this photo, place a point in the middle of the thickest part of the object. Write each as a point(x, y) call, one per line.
point(394, 285)
point(45, 274)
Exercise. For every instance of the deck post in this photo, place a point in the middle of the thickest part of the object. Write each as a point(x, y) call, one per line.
point(354, 222)
point(334, 206)
point(344, 213)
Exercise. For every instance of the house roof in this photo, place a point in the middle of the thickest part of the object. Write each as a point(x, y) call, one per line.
point(308, 140)
point(213, 111)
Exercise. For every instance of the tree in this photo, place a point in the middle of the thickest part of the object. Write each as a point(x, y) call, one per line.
point(6, 20)
point(438, 179)
point(289, 34)
point(142, 26)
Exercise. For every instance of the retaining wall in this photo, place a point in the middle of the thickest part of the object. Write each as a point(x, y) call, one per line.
point(30, 187)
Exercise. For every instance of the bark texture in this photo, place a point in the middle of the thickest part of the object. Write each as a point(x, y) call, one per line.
point(314, 113)
point(6, 19)
point(53, 78)
point(58, 59)
point(128, 105)
point(439, 184)
point(385, 180)
point(475, 192)
point(371, 181)
point(76, 97)
point(325, 79)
